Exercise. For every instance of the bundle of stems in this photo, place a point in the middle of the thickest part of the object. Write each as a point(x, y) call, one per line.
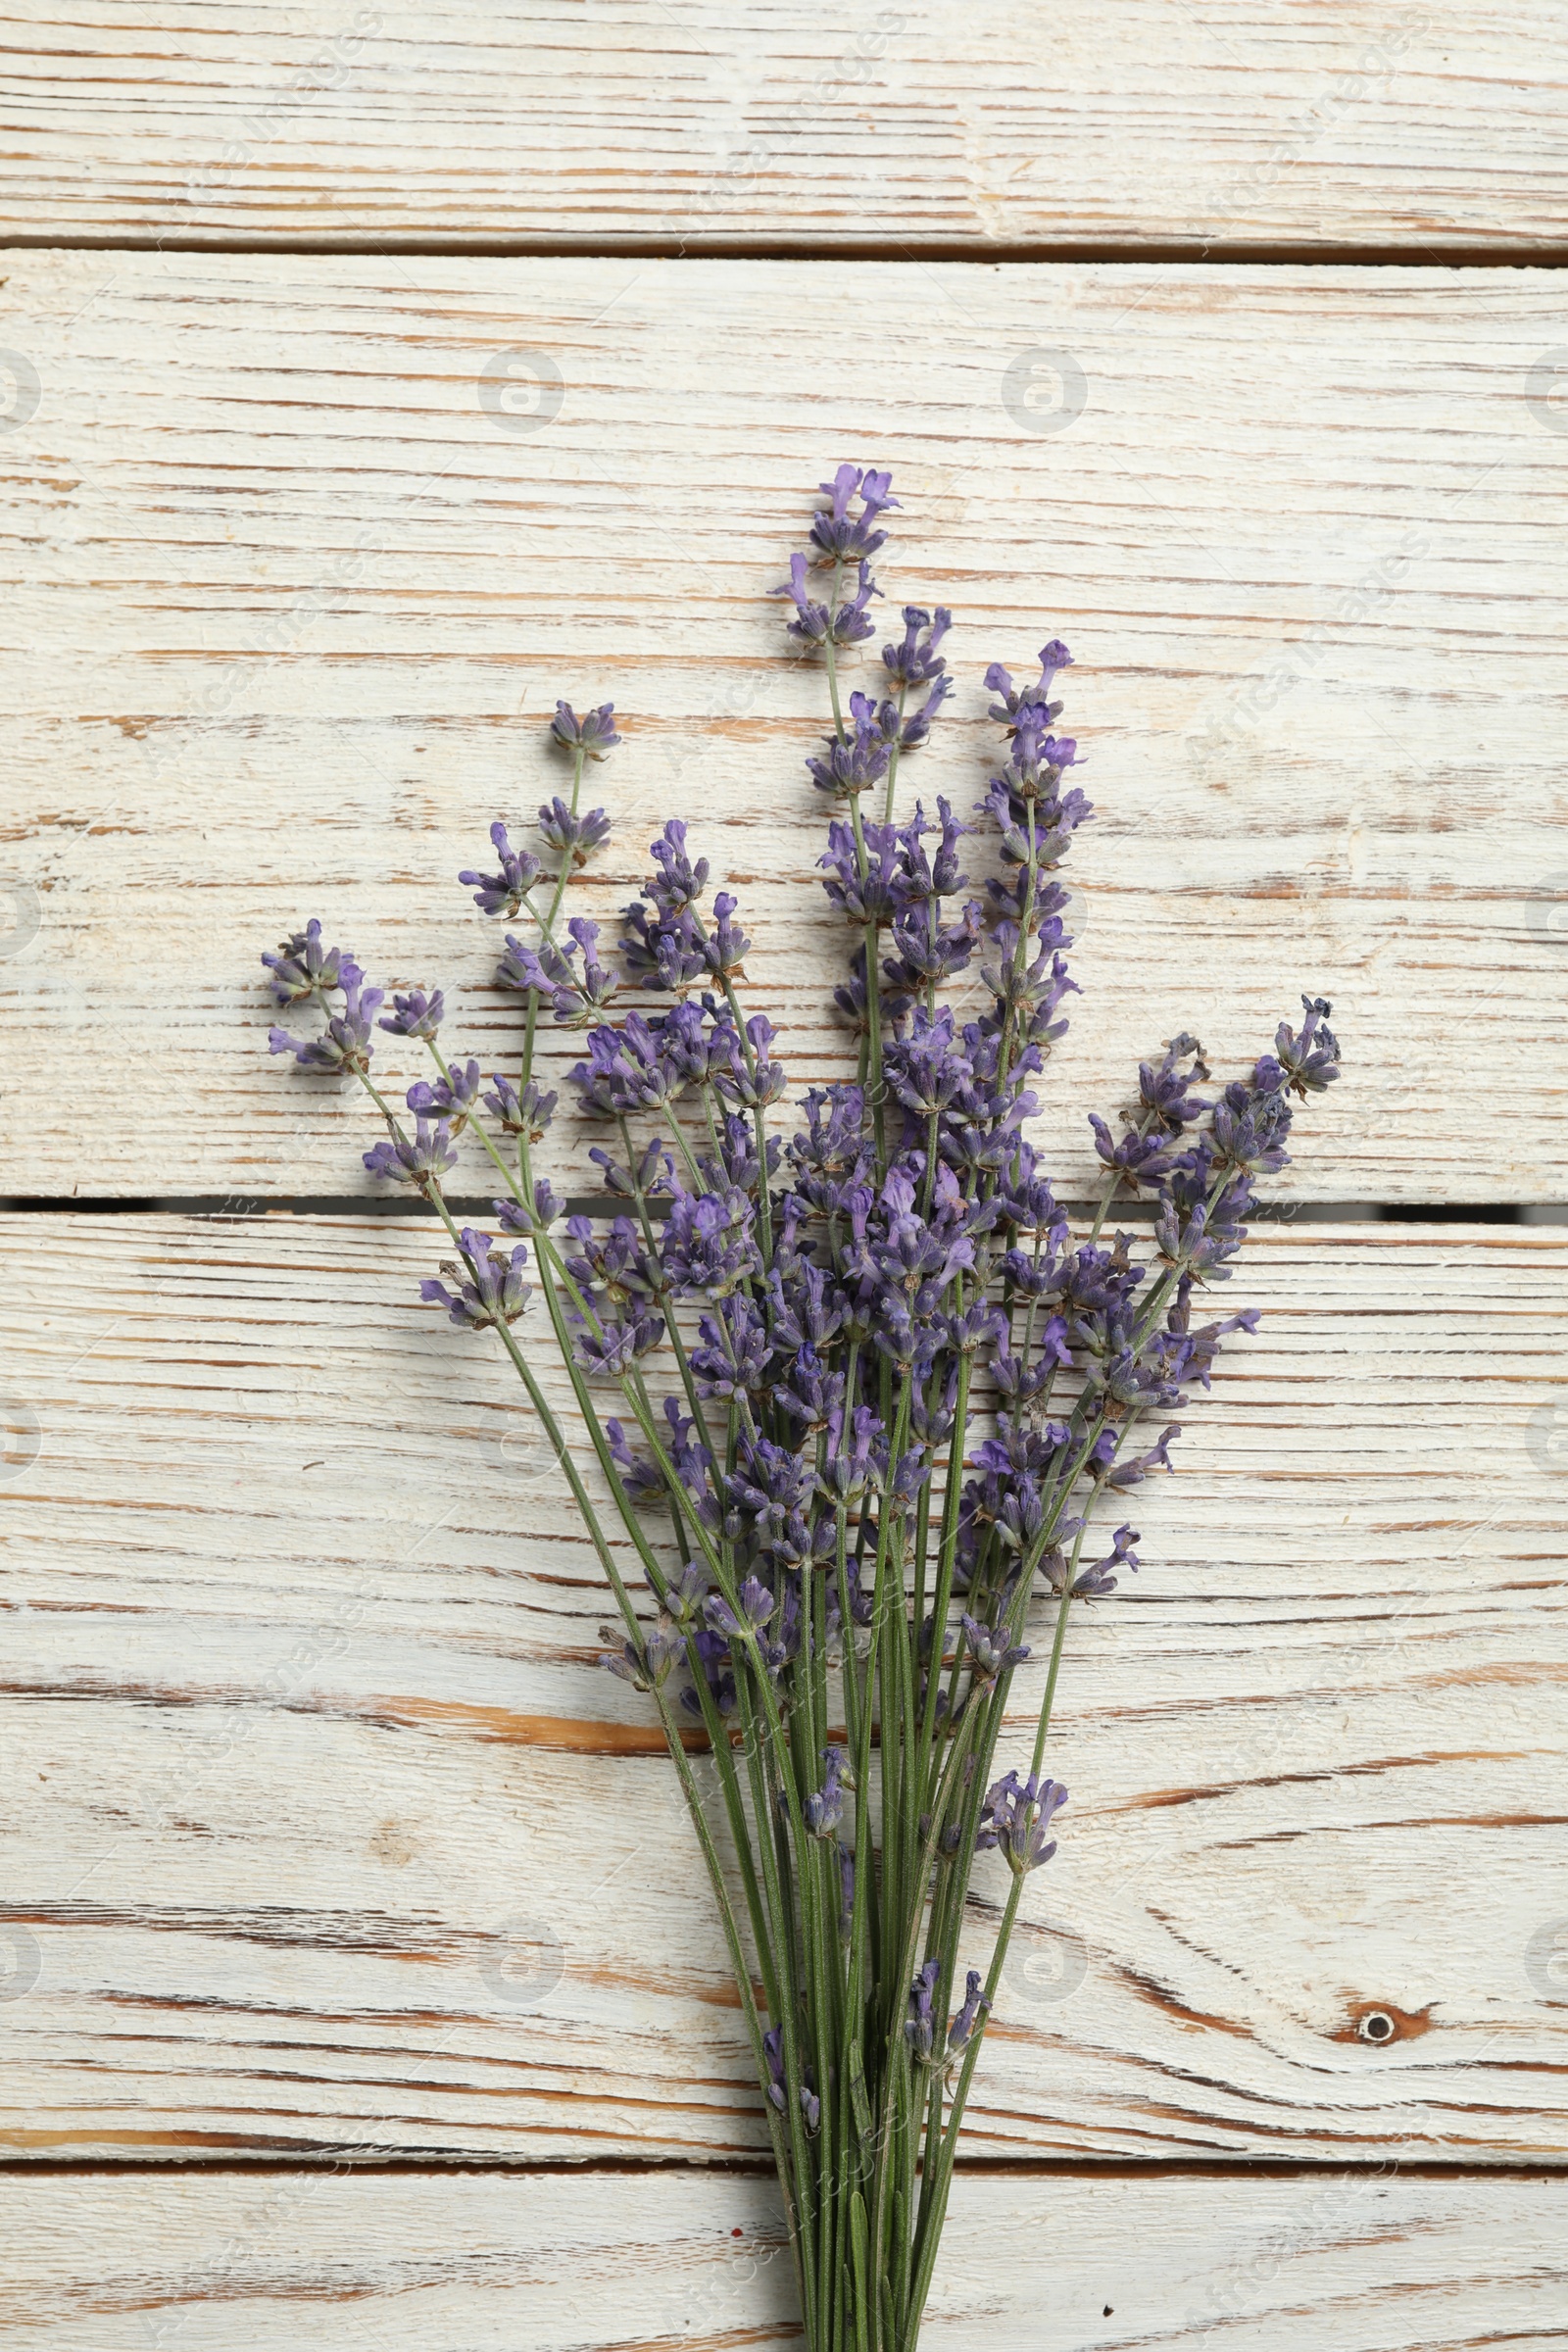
point(903, 1392)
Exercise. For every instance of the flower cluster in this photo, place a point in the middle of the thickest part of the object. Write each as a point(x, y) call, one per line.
point(874, 1393)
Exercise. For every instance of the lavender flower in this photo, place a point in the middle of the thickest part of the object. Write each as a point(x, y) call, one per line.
point(490, 1291)
point(593, 734)
point(345, 1045)
point(417, 1160)
point(451, 1097)
point(416, 1014)
point(1016, 1816)
point(304, 971)
point(848, 623)
point(915, 662)
point(824, 1809)
point(836, 533)
point(574, 838)
point(506, 892)
point(966, 2020)
point(575, 992)
point(1310, 1061)
point(864, 1404)
point(525, 1112)
point(919, 2029)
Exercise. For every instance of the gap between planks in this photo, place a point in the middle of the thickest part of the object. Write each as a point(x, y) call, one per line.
point(1175, 252)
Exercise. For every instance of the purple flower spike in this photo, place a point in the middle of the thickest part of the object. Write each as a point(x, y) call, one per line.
point(919, 2027)
point(1016, 1816)
point(967, 2018)
point(811, 620)
point(837, 534)
point(1309, 1061)
point(506, 892)
point(574, 838)
point(823, 1812)
point(853, 622)
point(915, 662)
point(613, 1351)
point(453, 1098)
point(678, 883)
point(1015, 705)
point(575, 993)
point(851, 762)
point(345, 1045)
point(419, 1160)
point(752, 1081)
point(526, 1112)
point(990, 1652)
point(490, 1291)
point(743, 1623)
point(416, 1014)
point(593, 733)
point(304, 971)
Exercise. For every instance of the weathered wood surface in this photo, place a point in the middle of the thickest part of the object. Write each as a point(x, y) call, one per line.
point(1042, 2262)
point(322, 1825)
point(1133, 123)
point(289, 607)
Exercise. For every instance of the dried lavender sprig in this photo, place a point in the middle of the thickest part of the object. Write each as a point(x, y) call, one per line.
point(800, 2227)
point(945, 1156)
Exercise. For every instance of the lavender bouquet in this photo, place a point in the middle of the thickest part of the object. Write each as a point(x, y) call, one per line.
point(901, 1394)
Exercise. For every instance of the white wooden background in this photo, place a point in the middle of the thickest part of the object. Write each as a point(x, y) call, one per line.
point(289, 606)
point(302, 1722)
point(1370, 123)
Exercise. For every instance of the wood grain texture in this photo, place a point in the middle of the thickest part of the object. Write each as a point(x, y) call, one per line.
point(288, 606)
point(1349, 2262)
point(1251, 122)
point(322, 1827)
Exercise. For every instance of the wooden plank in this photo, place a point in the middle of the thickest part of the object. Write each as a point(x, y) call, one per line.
point(323, 1825)
point(1266, 122)
point(1042, 2262)
point(290, 606)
